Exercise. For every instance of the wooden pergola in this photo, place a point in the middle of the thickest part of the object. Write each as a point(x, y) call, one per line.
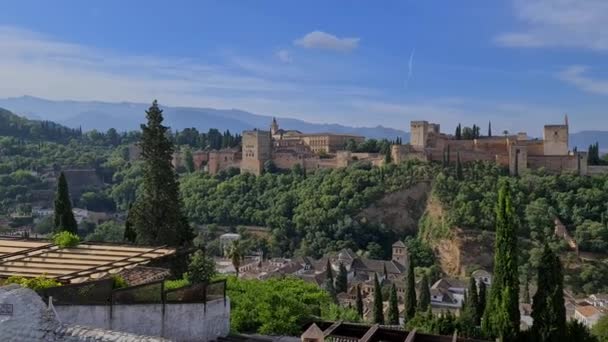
point(86, 261)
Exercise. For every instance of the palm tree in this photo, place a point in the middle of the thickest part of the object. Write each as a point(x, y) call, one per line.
point(235, 253)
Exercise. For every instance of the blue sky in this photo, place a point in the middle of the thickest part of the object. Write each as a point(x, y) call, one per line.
point(517, 63)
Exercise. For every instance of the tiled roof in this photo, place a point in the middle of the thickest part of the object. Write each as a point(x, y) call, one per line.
point(142, 275)
point(587, 311)
point(399, 244)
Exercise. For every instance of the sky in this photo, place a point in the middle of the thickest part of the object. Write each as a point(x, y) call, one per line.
point(517, 63)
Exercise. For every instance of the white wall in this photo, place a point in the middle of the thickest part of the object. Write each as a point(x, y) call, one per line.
point(180, 322)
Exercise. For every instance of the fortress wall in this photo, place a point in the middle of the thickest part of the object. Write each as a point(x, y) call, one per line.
point(492, 145)
point(287, 160)
point(535, 147)
point(554, 163)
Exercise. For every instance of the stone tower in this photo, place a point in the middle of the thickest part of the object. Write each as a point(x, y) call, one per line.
point(399, 253)
point(257, 147)
point(274, 127)
point(418, 133)
point(555, 139)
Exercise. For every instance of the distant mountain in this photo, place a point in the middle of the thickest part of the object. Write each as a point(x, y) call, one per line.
point(128, 116)
point(583, 139)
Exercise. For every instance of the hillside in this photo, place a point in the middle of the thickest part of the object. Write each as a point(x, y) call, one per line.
point(128, 116)
point(12, 125)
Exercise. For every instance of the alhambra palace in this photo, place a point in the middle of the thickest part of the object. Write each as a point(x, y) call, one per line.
point(287, 148)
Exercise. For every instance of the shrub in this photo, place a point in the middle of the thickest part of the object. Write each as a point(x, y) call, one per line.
point(177, 284)
point(38, 283)
point(201, 268)
point(119, 282)
point(66, 239)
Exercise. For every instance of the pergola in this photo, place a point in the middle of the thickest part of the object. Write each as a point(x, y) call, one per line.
point(86, 261)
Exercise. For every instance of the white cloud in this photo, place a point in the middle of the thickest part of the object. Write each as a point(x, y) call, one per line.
point(560, 23)
point(576, 75)
point(326, 41)
point(284, 56)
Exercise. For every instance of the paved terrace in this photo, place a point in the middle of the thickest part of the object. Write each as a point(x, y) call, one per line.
point(86, 261)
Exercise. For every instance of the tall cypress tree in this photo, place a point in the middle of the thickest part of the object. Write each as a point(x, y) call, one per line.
point(481, 301)
point(501, 318)
point(377, 312)
point(359, 301)
point(64, 217)
point(393, 307)
point(330, 273)
point(548, 309)
point(342, 279)
point(424, 300)
point(331, 290)
point(459, 174)
point(157, 214)
point(489, 128)
point(472, 301)
point(130, 235)
point(410, 291)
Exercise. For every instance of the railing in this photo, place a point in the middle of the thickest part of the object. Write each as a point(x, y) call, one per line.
point(101, 292)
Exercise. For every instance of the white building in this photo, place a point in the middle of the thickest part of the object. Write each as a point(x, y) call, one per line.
point(482, 276)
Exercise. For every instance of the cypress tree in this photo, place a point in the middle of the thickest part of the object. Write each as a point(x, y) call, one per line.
point(64, 217)
point(489, 128)
point(459, 174)
point(481, 301)
point(330, 273)
point(424, 300)
point(393, 307)
point(385, 272)
point(447, 157)
point(501, 318)
point(157, 214)
point(472, 302)
point(377, 313)
point(526, 298)
point(331, 290)
point(359, 301)
point(548, 309)
point(342, 280)
point(130, 235)
point(410, 291)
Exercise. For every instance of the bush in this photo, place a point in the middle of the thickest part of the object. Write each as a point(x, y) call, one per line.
point(66, 239)
point(35, 284)
point(119, 282)
point(177, 284)
point(201, 268)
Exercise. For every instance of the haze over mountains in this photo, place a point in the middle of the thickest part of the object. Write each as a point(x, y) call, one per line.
point(128, 116)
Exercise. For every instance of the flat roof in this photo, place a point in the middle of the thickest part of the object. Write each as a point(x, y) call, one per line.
point(86, 261)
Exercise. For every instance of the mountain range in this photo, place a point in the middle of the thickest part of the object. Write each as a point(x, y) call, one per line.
point(126, 116)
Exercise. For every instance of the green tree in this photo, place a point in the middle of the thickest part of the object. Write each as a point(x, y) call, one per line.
point(501, 318)
point(472, 302)
point(548, 311)
point(201, 268)
point(577, 331)
point(130, 234)
point(489, 128)
point(157, 214)
point(236, 255)
point(359, 302)
point(109, 231)
point(410, 291)
point(189, 160)
point(459, 174)
point(330, 288)
point(342, 279)
point(424, 300)
point(64, 217)
point(600, 329)
point(393, 307)
point(481, 301)
point(378, 308)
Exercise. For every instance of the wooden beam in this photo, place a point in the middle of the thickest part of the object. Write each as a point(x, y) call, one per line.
point(370, 333)
point(411, 336)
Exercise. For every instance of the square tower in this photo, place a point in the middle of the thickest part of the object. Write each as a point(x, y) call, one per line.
point(418, 133)
point(555, 140)
point(257, 148)
point(400, 254)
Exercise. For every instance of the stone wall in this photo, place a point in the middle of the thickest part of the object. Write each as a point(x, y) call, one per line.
point(181, 322)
